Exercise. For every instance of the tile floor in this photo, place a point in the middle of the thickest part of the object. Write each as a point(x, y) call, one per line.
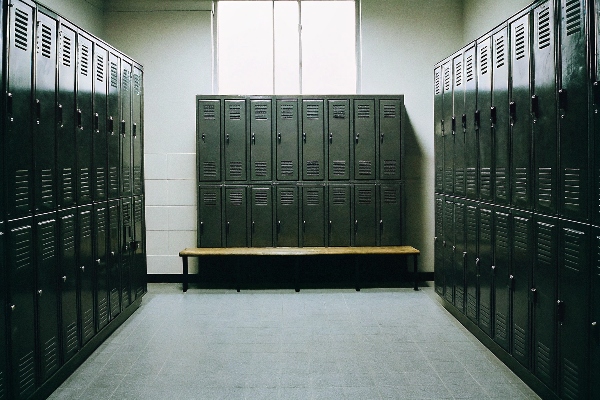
point(278, 344)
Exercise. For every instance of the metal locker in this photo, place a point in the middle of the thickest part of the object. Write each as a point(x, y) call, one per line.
point(137, 130)
point(18, 137)
point(483, 118)
point(390, 214)
point(340, 215)
point(338, 117)
point(114, 270)
point(595, 313)
point(47, 300)
point(4, 389)
point(449, 249)
point(126, 238)
point(364, 139)
point(45, 113)
point(595, 120)
point(113, 137)
point(287, 139)
point(84, 120)
point(313, 140)
point(438, 128)
point(501, 282)
point(472, 262)
point(313, 216)
point(139, 272)
point(67, 261)
point(468, 124)
point(261, 227)
point(101, 232)
point(21, 284)
point(236, 224)
point(260, 139)
point(573, 309)
point(519, 115)
point(209, 216)
point(286, 221)
point(126, 127)
point(543, 110)
point(390, 139)
point(459, 254)
point(458, 128)
point(235, 140)
point(439, 241)
point(486, 254)
point(447, 128)
point(208, 119)
point(499, 116)
point(99, 131)
point(365, 215)
point(85, 263)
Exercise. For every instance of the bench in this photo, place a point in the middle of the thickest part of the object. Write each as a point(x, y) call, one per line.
point(299, 251)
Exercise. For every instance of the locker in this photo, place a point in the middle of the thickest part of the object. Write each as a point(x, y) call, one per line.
point(126, 127)
point(209, 216)
point(364, 139)
point(313, 140)
point(139, 248)
point(390, 139)
point(595, 312)
point(340, 218)
point(236, 232)
point(126, 238)
point(501, 282)
point(113, 137)
point(472, 262)
point(21, 281)
point(67, 261)
point(486, 254)
point(4, 389)
point(18, 137)
point(45, 112)
point(137, 130)
point(365, 215)
point(459, 255)
point(262, 216)
point(260, 141)
point(208, 122)
point(390, 219)
point(84, 120)
point(499, 116)
point(101, 231)
point(468, 124)
point(595, 116)
point(438, 127)
point(458, 131)
point(287, 209)
point(114, 270)
point(448, 125)
point(313, 216)
point(338, 117)
point(235, 140)
point(287, 139)
point(439, 241)
point(483, 118)
point(46, 250)
point(85, 262)
point(99, 131)
point(543, 109)
point(449, 249)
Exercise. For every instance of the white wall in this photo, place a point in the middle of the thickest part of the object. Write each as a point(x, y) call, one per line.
point(481, 16)
point(87, 14)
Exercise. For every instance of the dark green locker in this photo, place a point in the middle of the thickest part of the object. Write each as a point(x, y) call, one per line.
point(313, 140)
point(483, 117)
point(365, 215)
point(313, 216)
point(114, 267)
point(261, 227)
point(458, 100)
point(339, 228)
point(208, 122)
point(543, 110)
point(260, 141)
point(519, 115)
point(459, 254)
point(486, 259)
point(499, 116)
point(45, 113)
point(101, 231)
point(235, 140)
point(236, 224)
point(126, 238)
point(501, 282)
point(364, 139)
point(99, 131)
point(573, 310)
point(85, 262)
point(4, 389)
point(468, 124)
point(447, 128)
point(209, 216)
point(595, 313)
point(472, 262)
point(46, 249)
point(438, 128)
point(286, 210)
point(595, 119)
point(18, 137)
point(67, 260)
point(339, 137)
point(139, 271)
point(449, 249)
point(390, 217)
point(126, 127)
point(287, 139)
point(113, 126)
point(84, 119)
point(21, 296)
point(137, 130)
point(390, 139)
point(439, 270)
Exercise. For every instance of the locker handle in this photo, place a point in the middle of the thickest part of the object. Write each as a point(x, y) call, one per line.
point(64, 278)
point(355, 225)
point(123, 127)
point(38, 110)
point(533, 295)
point(303, 226)
point(596, 331)
point(596, 93)
point(227, 228)
point(329, 226)
point(560, 308)
point(444, 243)
point(134, 130)
point(304, 137)
point(330, 137)
point(79, 119)
point(112, 253)
point(357, 137)
point(12, 307)
point(203, 138)
point(39, 292)
point(512, 112)
point(98, 261)
point(227, 138)
point(562, 102)
point(252, 227)
point(253, 137)
point(511, 283)
point(382, 134)
point(9, 106)
point(493, 116)
point(381, 225)
point(535, 107)
point(443, 127)
point(279, 137)
point(477, 119)
point(82, 268)
point(111, 125)
point(435, 238)
point(453, 125)
point(60, 115)
point(201, 227)
point(464, 122)
point(477, 261)
point(278, 226)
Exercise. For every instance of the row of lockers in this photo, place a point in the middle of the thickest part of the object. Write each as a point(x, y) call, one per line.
point(293, 215)
point(65, 276)
point(516, 113)
point(274, 138)
point(531, 282)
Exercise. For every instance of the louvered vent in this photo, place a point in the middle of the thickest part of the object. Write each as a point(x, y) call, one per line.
point(22, 247)
point(209, 198)
point(458, 73)
point(99, 68)
point(469, 68)
point(286, 111)
point(260, 168)
point(86, 224)
point(339, 196)
point(573, 16)
point(364, 167)
point(438, 83)
point(500, 48)
point(236, 197)
point(209, 169)
point(234, 112)
point(390, 196)
point(137, 84)
point(84, 54)
point(313, 168)
point(126, 80)
point(364, 111)
point(113, 75)
point(520, 42)
point(46, 230)
point(260, 112)
point(46, 39)
point(543, 26)
point(235, 169)
point(287, 167)
point(572, 249)
point(209, 111)
point(447, 81)
point(312, 111)
point(339, 167)
point(544, 243)
point(483, 60)
point(66, 50)
point(287, 197)
point(365, 196)
point(339, 111)
point(21, 29)
point(261, 198)
point(389, 111)
point(313, 198)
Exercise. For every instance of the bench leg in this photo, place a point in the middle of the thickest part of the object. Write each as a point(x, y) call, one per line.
point(297, 274)
point(415, 271)
point(357, 273)
point(185, 273)
point(238, 269)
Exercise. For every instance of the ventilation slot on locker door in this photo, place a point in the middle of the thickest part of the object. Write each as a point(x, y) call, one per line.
point(390, 196)
point(313, 168)
point(46, 41)
point(99, 68)
point(570, 380)
point(499, 51)
point(312, 198)
point(113, 75)
point(486, 182)
point(286, 111)
point(235, 198)
point(84, 52)
point(543, 27)
point(469, 68)
point(113, 179)
point(573, 16)
point(471, 231)
point(21, 29)
point(520, 42)
point(234, 112)
point(502, 247)
point(389, 167)
point(21, 188)
point(389, 111)
point(67, 185)
point(65, 50)
point(50, 355)
point(501, 183)
point(261, 198)
point(47, 186)
point(521, 244)
point(364, 111)
point(100, 177)
point(542, 361)
point(339, 196)
point(260, 168)
point(572, 250)
point(84, 187)
point(483, 60)
point(235, 169)
point(312, 111)
point(137, 84)
point(47, 238)
point(438, 87)
point(22, 244)
point(365, 196)
point(260, 112)
point(458, 73)
point(209, 111)
point(572, 190)
point(126, 80)
point(521, 183)
point(209, 198)
point(287, 197)
point(339, 111)
point(339, 167)
point(287, 167)
point(26, 374)
point(447, 81)
point(544, 186)
point(364, 167)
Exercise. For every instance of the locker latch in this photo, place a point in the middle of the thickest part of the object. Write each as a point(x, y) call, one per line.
point(493, 116)
point(227, 228)
point(357, 137)
point(303, 226)
point(252, 227)
point(330, 137)
point(562, 102)
point(533, 295)
point(596, 331)
point(253, 137)
point(278, 226)
point(535, 108)
point(96, 123)
point(512, 111)
point(560, 309)
point(227, 138)
point(511, 283)
point(204, 138)
point(304, 137)
point(111, 125)
point(279, 137)
point(381, 225)
point(477, 119)
point(123, 127)
point(355, 225)
point(382, 134)
point(38, 111)
point(443, 127)
point(596, 95)
point(60, 116)
point(453, 125)
point(9, 106)
point(464, 123)
point(79, 119)
point(134, 130)
point(329, 226)
point(201, 227)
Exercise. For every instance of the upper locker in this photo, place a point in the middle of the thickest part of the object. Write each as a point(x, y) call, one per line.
point(468, 123)
point(595, 111)
point(99, 117)
point(287, 139)
point(235, 140)
point(499, 116)
point(126, 127)
point(390, 139)
point(261, 120)
point(208, 120)
point(113, 113)
point(438, 139)
point(458, 124)
point(338, 118)
point(364, 139)
point(313, 149)
point(447, 128)
point(137, 118)
point(84, 119)
point(483, 117)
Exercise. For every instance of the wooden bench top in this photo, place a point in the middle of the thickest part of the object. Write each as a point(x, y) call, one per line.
point(296, 251)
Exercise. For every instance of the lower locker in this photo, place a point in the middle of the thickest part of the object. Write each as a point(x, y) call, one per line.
point(3, 307)
point(67, 261)
point(209, 216)
point(85, 262)
point(501, 282)
point(471, 262)
point(459, 255)
point(595, 312)
point(114, 263)
point(313, 216)
point(139, 252)
point(390, 215)
point(126, 262)
point(439, 245)
point(287, 216)
point(486, 249)
point(365, 228)
point(261, 227)
point(339, 226)
point(449, 249)
point(101, 231)
point(236, 223)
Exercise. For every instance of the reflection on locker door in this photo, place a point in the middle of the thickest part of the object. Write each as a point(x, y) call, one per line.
point(260, 140)
point(485, 269)
point(209, 139)
point(501, 277)
point(483, 117)
point(390, 220)
point(390, 120)
point(236, 223)
point(340, 217)
point(139, 272)
point(99, 132)
point(364, 139)
point(262, 216)
point(85, 262)
point(438, 128)
point(125, 128)
point(595, 313)
point(339, 139)
point(101, 263)
point(448, 126)
point(114, 270)
point(365, 215)
point(126, 237)
point(209, 216)
point(287, 140)
point(235, 140)
point(471, 262)
point(3, 319)
point(313, 138)
point(113, 126)
point(468, 124)
point(449, 249)
point(287, 216)
point(459, 255)
point(499, 116)
point(313, 216)
point(84, 120)
point(137, 131)
point(67, 228)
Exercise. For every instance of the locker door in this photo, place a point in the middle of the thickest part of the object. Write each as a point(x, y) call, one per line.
point(126, 238)
point(260, 141)
point(500, 116)
point(4, 389)
point(468, 124)
point(448, 133)
point(440, 273)
point(236, 224)
point(339, 139)
point(459, 255)
point(99, 132)
point(235, 140)
point(573, 310)
point(139, 248)
point(364, 139)
point(313, 140)
point(21, 278)
point(85, 262)
point(287, 140)
point(543, 107)
point(519, 114)
point(390, 129)
point(18, 138)
point(486, 249)
point(501, 282)
point(287, 216)
point(126, 127)
point(313, 216)
point(458, 99)
point(46, 242)
point(595, 313)
point(114, 271)
point(595, 112)
point(262, 216)
point(438, 128)
point(471, 262)
point(138, 131)
point(483, 117)
point(208, 121)
point(84, 119)
point(112, 126)
point(340, 218)
point(67, 227)
point(365, 215)
point(209, 216)
point(390, 209)
point(449, 249)
point(100, 263)
point(44, 113)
